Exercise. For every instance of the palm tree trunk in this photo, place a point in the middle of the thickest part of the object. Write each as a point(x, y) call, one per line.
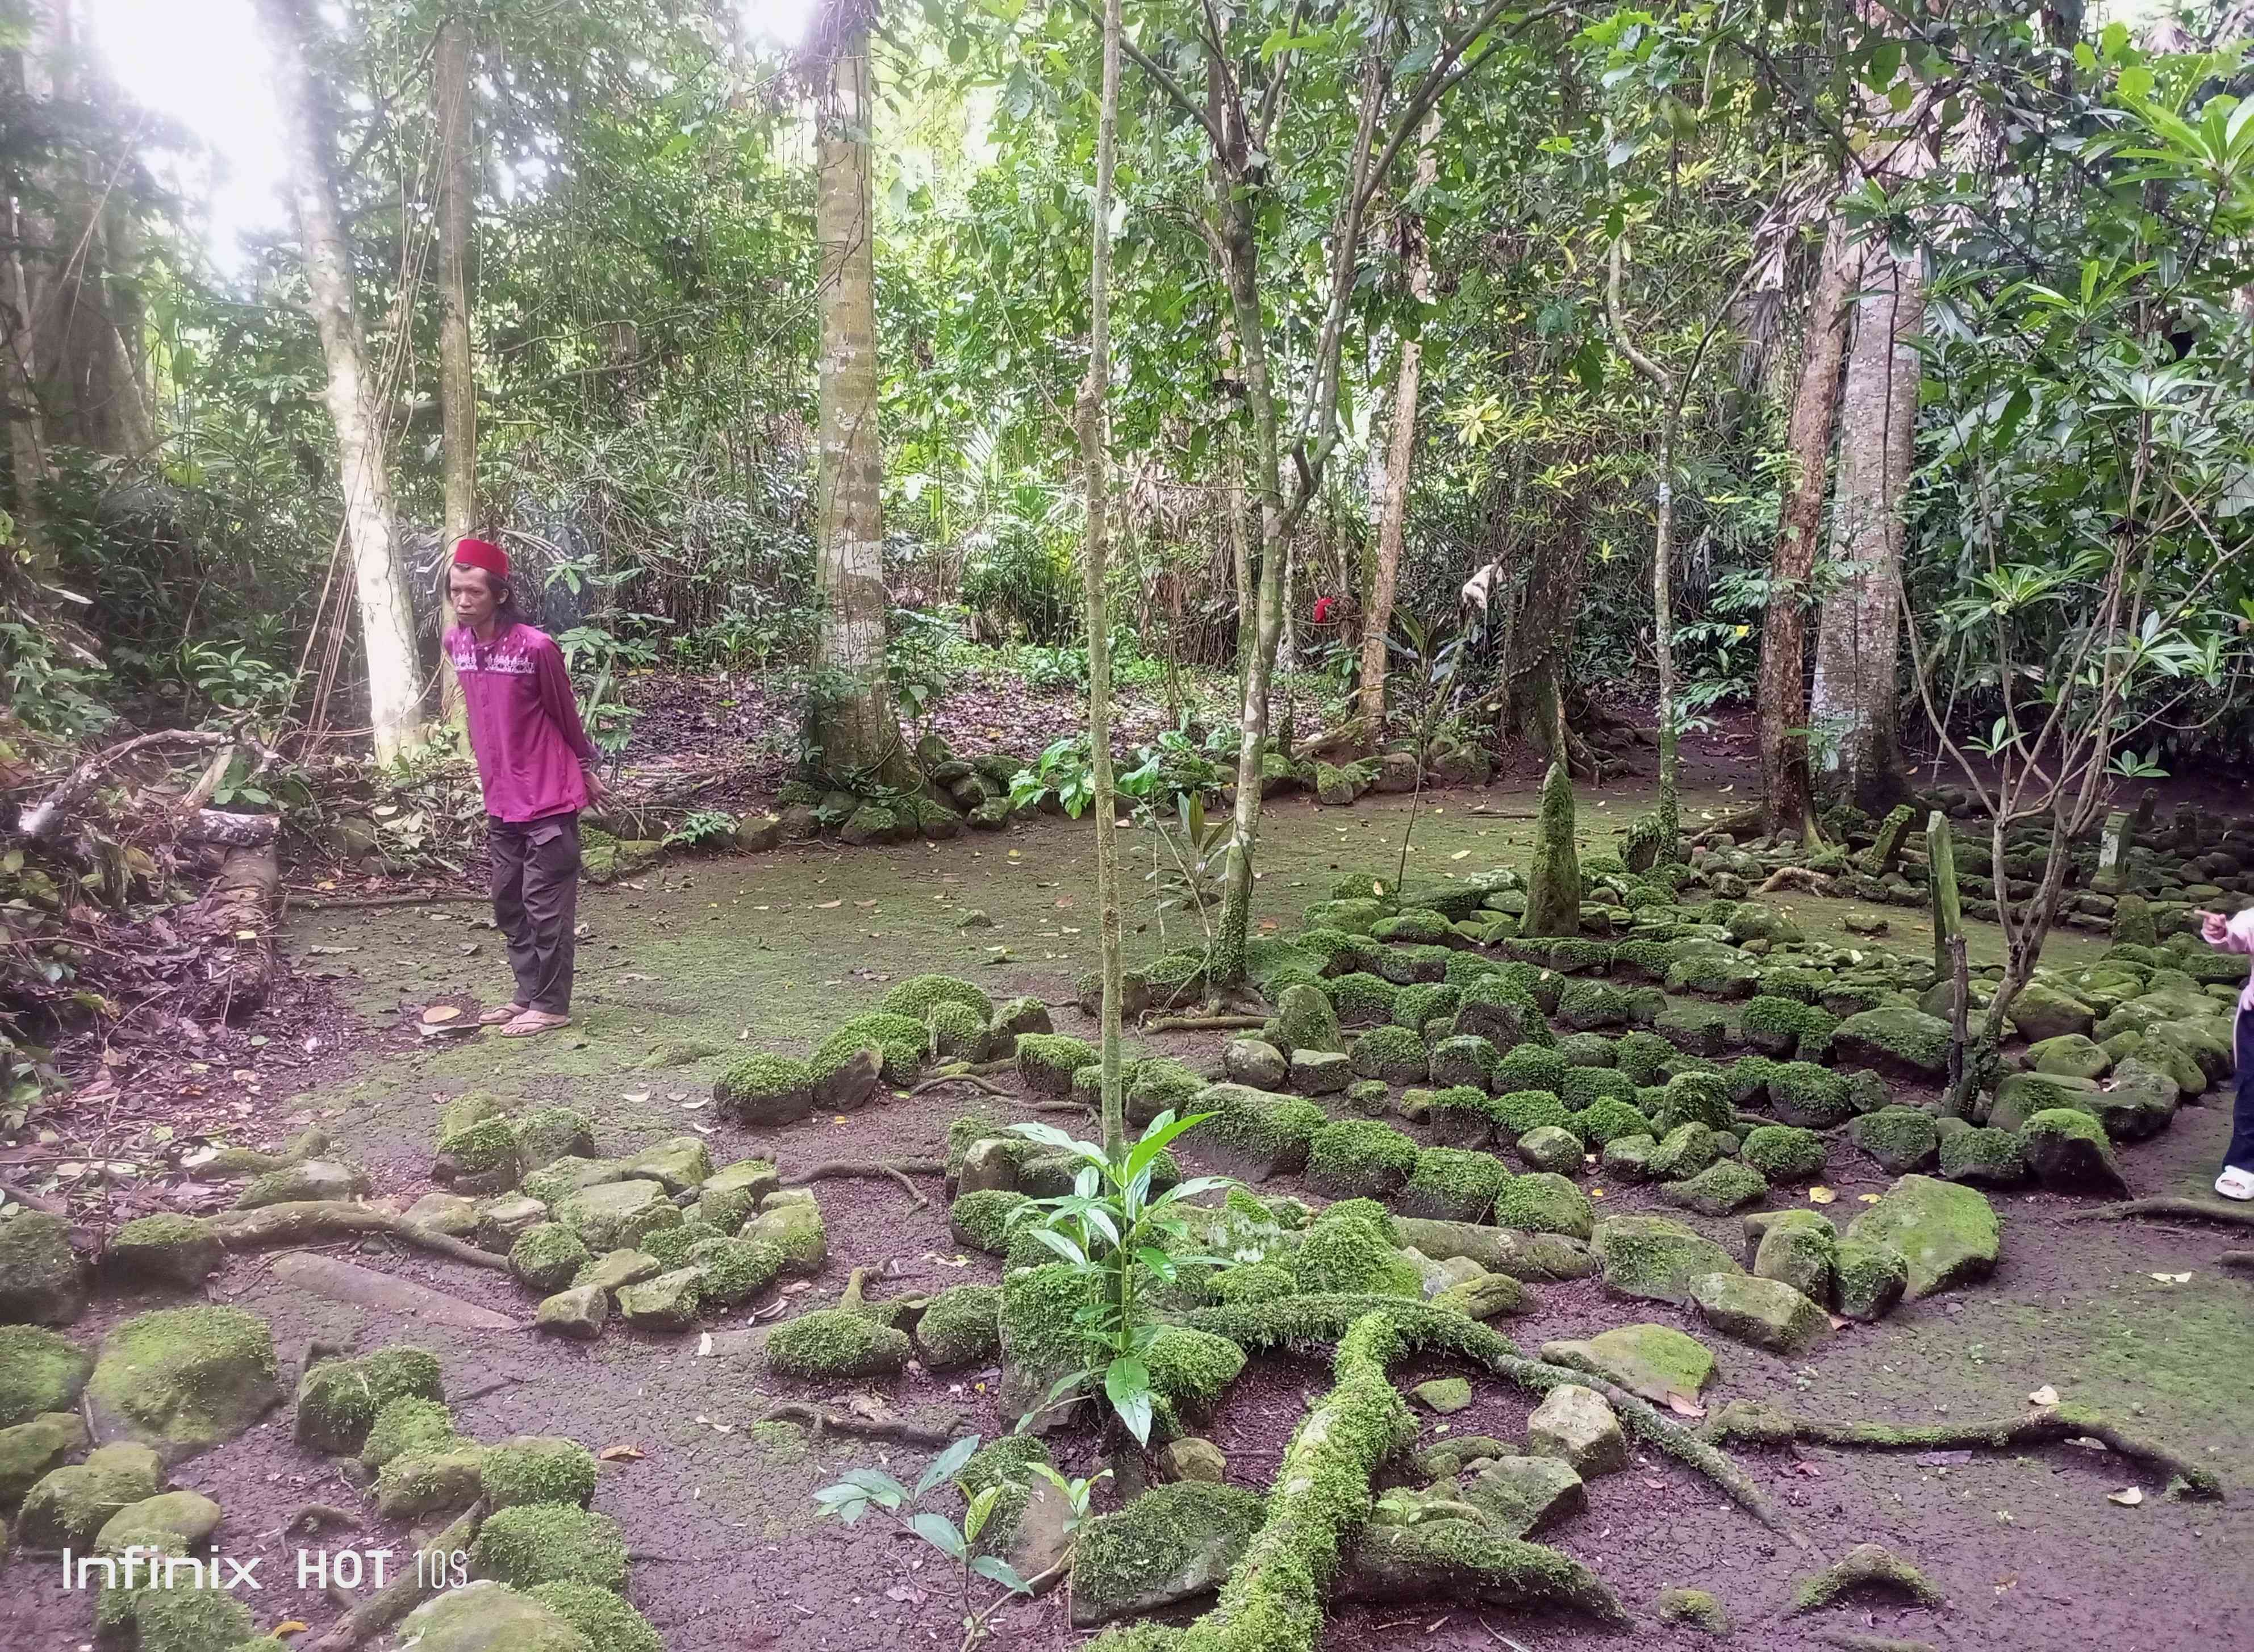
point(387, 618)
point(1783, 695)
point(457, 390)
point(855, 727)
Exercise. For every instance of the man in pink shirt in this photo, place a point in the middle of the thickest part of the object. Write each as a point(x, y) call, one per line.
point(538, 770)
point(2237, 935)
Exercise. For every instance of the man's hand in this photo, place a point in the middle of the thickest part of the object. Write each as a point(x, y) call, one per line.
point(2213, 927)
point(599, 792)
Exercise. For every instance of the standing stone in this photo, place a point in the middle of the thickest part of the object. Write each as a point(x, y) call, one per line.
point(1575, 1426)
point(1886, 854)
point(2185, 823)
point(2113, 855)
point(2147, 805)
point(1553, 886)
point(1941, 877)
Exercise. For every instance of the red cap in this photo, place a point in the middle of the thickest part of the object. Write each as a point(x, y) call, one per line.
point(481, 553)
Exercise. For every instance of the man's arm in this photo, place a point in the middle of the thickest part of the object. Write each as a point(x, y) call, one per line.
point(562, 706)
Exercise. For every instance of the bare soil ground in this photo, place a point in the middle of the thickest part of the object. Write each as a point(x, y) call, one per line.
point(767, 952)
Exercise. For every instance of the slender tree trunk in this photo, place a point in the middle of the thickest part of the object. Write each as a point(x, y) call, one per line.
point(1782, 696)
point(1390, 505)
point(387, 618)
point(1858, 639)
point(1096, 461)
point(457, 390)
point(856, 725)
point(1663, 641)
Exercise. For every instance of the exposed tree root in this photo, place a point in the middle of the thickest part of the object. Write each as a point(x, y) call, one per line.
point(1457, 1562)
point(315, 1516)
point(365, 903)
point(966, 1076)
point(1867, 1565)
point(2043, 1425)
point(1799, 879)
point(2172, 1210)
point(1306, 1322)
point(316, 1222)
point(1205, 1023)
point(891, 1428)
point(2242, 1260)
point(1848, 1641)
point(898, 1169)
point(378, 1612)
point(249, 1161)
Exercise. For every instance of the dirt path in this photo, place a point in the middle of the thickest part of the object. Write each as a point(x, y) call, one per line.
point(699, 959)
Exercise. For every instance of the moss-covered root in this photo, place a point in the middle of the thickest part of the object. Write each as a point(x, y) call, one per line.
point(1459, 1561)
point(1866, 1566)
point(2170, 1210)
point(1765, 1425)
point(321, 1221)
point(1639, 1417)
point(1850, 1641)
point(1273, 1600)
point(380, 1611)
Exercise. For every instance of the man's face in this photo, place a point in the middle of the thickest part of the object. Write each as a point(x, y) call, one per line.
point(471, 591)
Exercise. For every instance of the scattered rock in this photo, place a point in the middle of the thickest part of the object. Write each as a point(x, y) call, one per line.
point(1765, 1312)
point(1948, 1234)
point(1320, 1072)
point(1720, 1188)
point(1575, 1426)
point(1254, 1062)
point(1443, 1395)
point(183, 1380)
point(1868, 1278)
point(1173, 1543)
point(66, 1507)
point(2068, 1152)
point(338, 1399)
point(1521, 1496)
point(618, 1215)
point(1193, 1458)
point(578, 1312)
point(41, 1282)
point(1652, 1361)
point(1654, 1258)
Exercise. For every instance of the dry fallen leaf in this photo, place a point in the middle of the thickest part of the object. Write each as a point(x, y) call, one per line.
point(620, 1454)
point(290, 1626)
point(1684, 1405)
point(1868, 1198)
point(2044, 1396)
point(1822, 1195)
point(829, 905)
point(439, 1014)
point(2128, 1497)
point(2173, 1278)
point(1460, 854)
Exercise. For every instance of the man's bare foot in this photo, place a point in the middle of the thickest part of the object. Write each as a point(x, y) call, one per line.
point(533, 1022)
point(501, 1012)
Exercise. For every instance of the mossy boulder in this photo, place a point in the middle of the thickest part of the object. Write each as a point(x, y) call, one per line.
point(441, 1475)
point(1718, 1189)
point(1350, 1248)
point(1360, 1159)
point(1682, 1153)
point(962, 1326)
point(533, 1543)
point(1768, 1313)
point(1255, 1134)
point(2042, 1011)
point(1541, 1202)
point(489, 1617)
point(1454, 1184)
point(1983, 1156)
point(41, 1280)
point(1899, 1138)
point(1798, 1248)
point(183, 1380)
point(1308, 1019)
point(981, 1220)
point(1654, 1361)
point(2072, 1053)
point(765, 1089)
point(670, 1302)
point(617, 1215)
point(2068, 1152)
point(1654, 1258)
point(1813, 1097)
point(1550, 1147)
point(1783, 1152)
point(1048, 1060)
point(916, 996)
point(1392, 1053)
point(1191, 1370)
point(169, 1250)
point(608, 1623)
point(1895, 1040)
point(30, 1449)
point(2019, 1097)
point(69, 1505)
point(547, 1256)
point(338, 1399)
point(1608, 1119)
point(1948, 1234)
point(899, 1040)
point(40, 1371)
point(1697, 1029)
point(1358, 998)
point(1868, 1278)
point(1043, 1337)
point(406, 1424)
point(1173, 1543)
point(537, 1468)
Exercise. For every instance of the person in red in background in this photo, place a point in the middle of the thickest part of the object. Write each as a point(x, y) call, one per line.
point(1323, 606)
point(2236, 933)
point(537, 767)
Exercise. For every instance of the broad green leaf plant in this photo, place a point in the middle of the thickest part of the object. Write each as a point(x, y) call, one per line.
point(1115, 1230)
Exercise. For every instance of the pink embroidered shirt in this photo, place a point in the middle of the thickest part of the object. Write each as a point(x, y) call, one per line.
point(524, 724)
point(2238, 936)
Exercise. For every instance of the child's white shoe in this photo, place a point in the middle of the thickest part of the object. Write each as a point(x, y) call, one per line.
point(2236, 1183)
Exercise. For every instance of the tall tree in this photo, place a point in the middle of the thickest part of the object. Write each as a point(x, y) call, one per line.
point(355, 400)
point(1783, 695)
point(1389, 477)
point(1858, 638)
point(457, 392)
point(1095, 460)
point(855, 725)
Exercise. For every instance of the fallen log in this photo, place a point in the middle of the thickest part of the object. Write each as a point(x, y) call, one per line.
point(44, 819)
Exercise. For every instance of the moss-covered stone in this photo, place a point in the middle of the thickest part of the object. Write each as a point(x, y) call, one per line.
point(1767, 1312)
point(1694, 1607)
point(983, 1220)
point(1543, 1203)
point(671, 1246)
point(1607, 1120)
point(1985, 1158)
point(762, 1089)
point(617, 1215)
point(169, 1250)
point(1865, 1566)
point(1813, 1097)
point(338, 1399)
point(899, 1040)
point(1360, 1157)
point(1654, 1361)
point(533, 1543)
point(1359, 997)
point(608, 1623)
point(1452, 1184)
point(30, 1449)
point(185, 1379)
point(1259, 1135)
point(1693, 1097)
point(2068, 1152)
point(730, 1272)
point(1899, 1041)
point(1652, 1258)
point(1683, 1153)
point(1392, 1053)
point(1947, 1234)
point(66, 1506)
point(962, 1326)
point(1798, 1248)
point(488, 1617)
point(443, 1475)
point(408, 1423)
point(41, 1282)
point(1899, 1138)
point(1048, 1060)
point(1783, 1152)
point(670, 1302)
point(537, 1468)
point(547, 1256)
point(1043, 1338)
point(1191, 1370)
point(1553, 881)
point(40, 1371)
point(1351, 1249)
point(1868, 1278)
point(1718, 1189)
point(1173, 1543)
point(916, 996)
point(795, 1228)
point(1699, 1029)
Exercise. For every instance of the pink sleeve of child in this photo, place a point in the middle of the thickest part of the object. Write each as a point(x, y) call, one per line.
point(2238, 934)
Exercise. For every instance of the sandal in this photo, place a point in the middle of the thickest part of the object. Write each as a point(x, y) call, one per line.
point(532, 1022)
point(502, 1013)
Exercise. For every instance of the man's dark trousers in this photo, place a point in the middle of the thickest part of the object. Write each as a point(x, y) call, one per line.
point(536, 894)
point(2241, 1156)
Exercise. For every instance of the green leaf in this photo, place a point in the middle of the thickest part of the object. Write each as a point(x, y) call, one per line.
point(939, 1531)
point(973, 1517)
point(1062, 1246)
point(1127, 1385)
point(948, 1464)
point(883, 1489)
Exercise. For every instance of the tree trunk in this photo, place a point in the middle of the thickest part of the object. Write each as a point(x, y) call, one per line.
point(1095, 459)
point(387, 619)
point(1858, 639)
point(1782, 696)
point(1391, 507)
point(855, 727)
point(457, 390)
